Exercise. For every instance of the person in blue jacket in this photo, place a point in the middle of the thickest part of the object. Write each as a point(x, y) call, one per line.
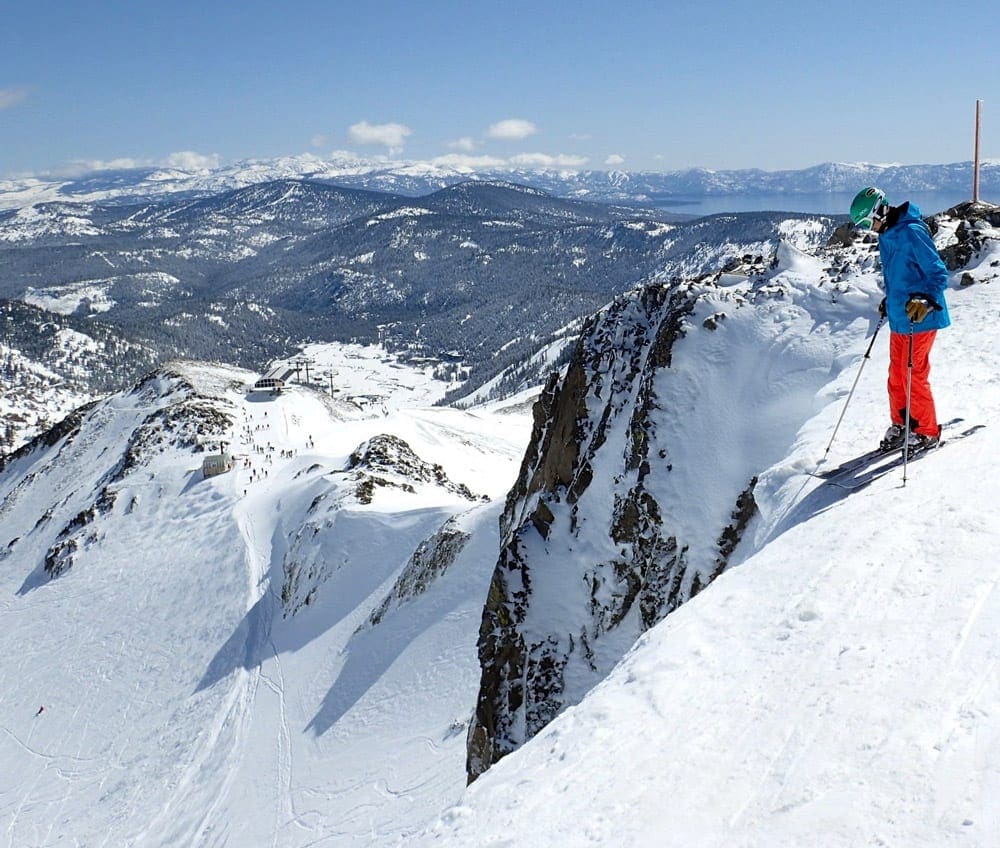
point(914, 280)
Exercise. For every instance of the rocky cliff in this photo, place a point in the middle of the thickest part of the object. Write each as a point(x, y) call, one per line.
point(638, 483)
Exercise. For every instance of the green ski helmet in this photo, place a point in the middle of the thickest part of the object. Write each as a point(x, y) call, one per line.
point(869, 204)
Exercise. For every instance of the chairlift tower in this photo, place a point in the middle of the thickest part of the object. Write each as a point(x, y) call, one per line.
point(303, 362)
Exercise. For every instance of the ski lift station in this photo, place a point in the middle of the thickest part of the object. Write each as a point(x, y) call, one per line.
point(274, 380)
point(217, 463)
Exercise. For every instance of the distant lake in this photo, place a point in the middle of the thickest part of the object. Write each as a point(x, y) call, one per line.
point(824, 203)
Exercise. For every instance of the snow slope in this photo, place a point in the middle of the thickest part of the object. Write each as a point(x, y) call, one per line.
point(181, 706)
point(840, 687)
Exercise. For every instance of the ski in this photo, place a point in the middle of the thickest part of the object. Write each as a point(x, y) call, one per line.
point(853, 464)
point(869, 475)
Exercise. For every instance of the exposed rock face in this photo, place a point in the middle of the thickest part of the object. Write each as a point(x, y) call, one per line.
point(594, 424)
point(432, 558)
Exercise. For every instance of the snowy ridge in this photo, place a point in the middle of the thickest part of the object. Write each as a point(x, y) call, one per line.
point(127, 432)
point(382, 468)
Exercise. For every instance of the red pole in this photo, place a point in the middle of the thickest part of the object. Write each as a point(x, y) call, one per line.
point(975, 166)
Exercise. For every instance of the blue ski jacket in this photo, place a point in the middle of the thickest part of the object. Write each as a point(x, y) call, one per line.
point(911, 265)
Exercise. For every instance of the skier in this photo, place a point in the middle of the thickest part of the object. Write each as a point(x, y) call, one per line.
point(41, 710)
point(914, 280)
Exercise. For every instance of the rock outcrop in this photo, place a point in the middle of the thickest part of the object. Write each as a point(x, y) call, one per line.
point(384, 463)
point(590, 458)
point(388, 461)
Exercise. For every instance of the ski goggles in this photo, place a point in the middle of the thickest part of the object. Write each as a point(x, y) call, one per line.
point(877, 214)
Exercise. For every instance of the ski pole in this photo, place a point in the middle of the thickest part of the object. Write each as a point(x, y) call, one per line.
point(850, 394)
point(909, 387)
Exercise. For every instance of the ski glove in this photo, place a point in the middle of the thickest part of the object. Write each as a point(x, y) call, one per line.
point(917, 309)
point(881, 309)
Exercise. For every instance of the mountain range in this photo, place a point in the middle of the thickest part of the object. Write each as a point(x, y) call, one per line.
point(419, 178)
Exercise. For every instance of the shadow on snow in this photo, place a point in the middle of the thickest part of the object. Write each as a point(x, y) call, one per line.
point(349, 590)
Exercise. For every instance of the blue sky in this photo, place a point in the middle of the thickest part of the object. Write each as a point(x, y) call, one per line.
point(634, 85)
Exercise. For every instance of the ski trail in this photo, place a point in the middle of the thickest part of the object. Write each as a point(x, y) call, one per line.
point(984, 595)
point(283, 775)
point(216, 738)
point(207, 777)
point(256, 527)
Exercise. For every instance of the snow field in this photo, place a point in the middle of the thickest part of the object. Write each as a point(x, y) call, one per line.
point(181, 708)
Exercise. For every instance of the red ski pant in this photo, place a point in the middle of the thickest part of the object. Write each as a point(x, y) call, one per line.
point(923, 417)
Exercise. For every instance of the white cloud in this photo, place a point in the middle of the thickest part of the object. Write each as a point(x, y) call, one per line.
point(185, 160)
point(318, 140)
point(466, 143)
point(512, 128)
point(188, 160)
point(580, 136)
point(461, 162)
point(79, 167)
point(392, 136)
point(11, 96)
point(615, 159)
point(544, 160)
